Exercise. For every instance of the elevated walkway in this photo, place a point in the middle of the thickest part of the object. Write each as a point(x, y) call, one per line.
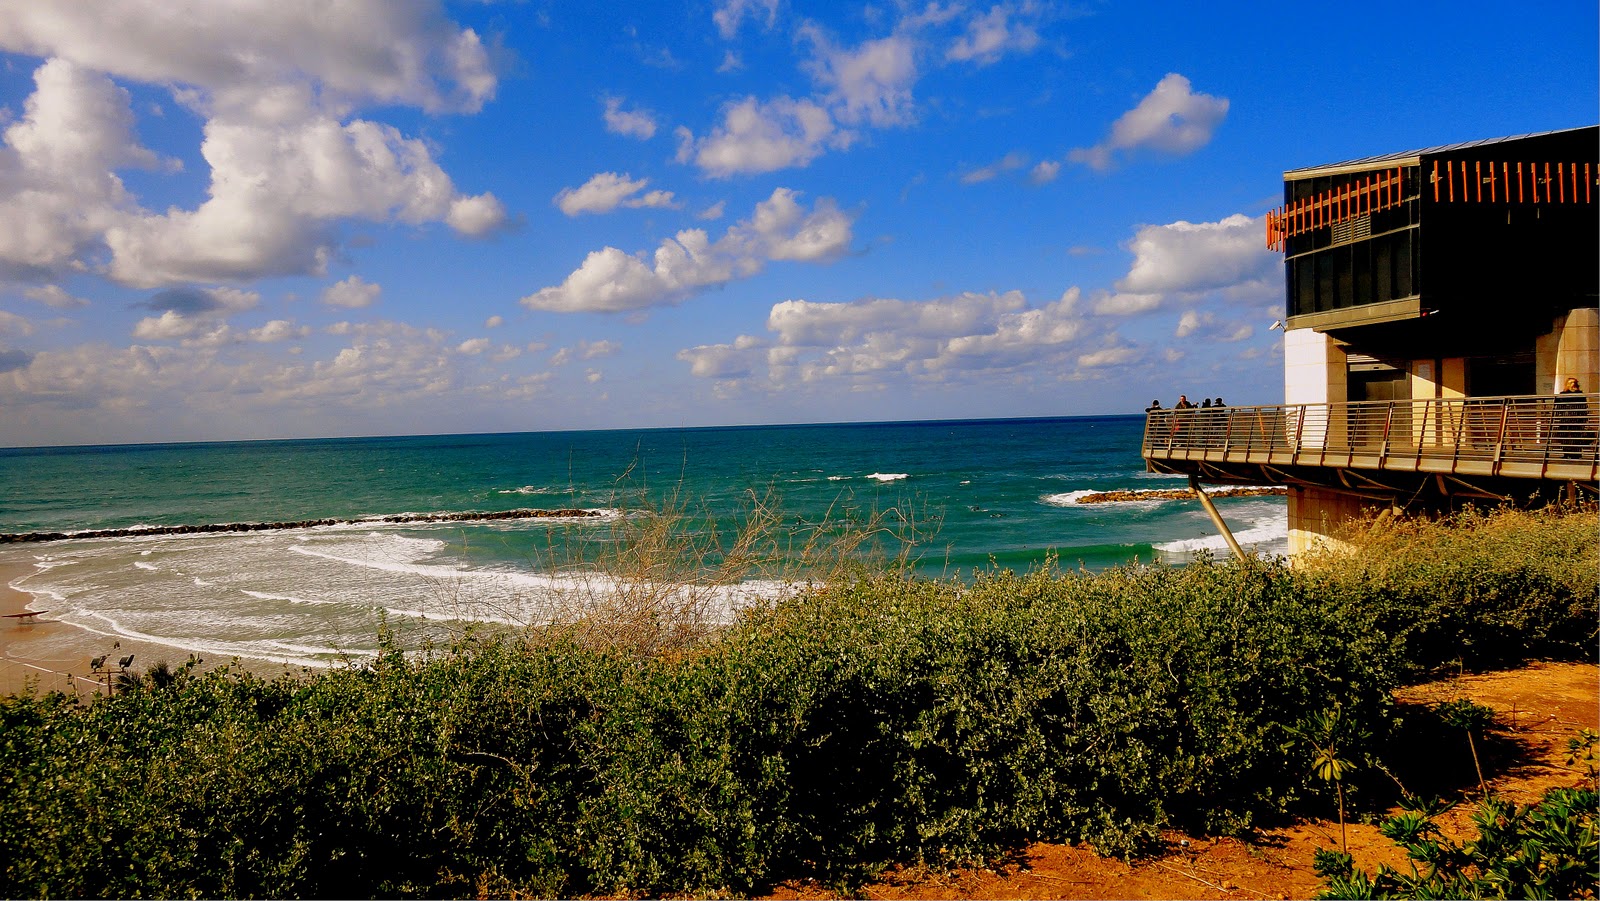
point(1475, 446)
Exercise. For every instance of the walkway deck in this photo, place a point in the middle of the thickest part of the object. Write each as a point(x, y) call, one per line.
point(1528, 437)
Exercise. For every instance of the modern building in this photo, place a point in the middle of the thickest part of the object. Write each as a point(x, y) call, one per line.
point(1436, 303)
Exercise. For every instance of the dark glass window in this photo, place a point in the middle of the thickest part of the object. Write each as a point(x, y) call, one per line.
point(1302, 286)
point(1325, 281)
point(1361, 268)
point(1383, 267)
point(1404, 275)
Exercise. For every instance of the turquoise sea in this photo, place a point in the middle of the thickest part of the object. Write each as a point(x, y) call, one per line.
point(982, 493)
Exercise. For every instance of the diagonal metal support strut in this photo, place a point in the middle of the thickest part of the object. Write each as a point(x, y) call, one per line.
point(1216, 519)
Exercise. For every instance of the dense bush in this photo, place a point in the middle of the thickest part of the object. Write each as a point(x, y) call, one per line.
point(880, 719)
point(1475, 589)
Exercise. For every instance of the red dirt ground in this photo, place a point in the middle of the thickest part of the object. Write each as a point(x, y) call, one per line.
point(1537, 709)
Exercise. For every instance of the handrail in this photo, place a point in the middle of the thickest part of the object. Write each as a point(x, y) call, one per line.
point(1538, 436)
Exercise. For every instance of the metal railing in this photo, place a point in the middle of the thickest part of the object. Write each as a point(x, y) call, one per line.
point(1524, 436)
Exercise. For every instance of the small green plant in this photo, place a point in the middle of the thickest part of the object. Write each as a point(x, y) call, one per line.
point(1547, 850)
point(1475, 719)
point(1329, 734)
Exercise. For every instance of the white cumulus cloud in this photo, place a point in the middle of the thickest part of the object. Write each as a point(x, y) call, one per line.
point(730, 14)
point(1187, 258)
point(276, 85)
point(476, 216)
point(1192, 321)
point(274, 190)
point(11, 323)
point(1107, 356)
point(608, 190)
point(362, 51)
point(612, 281)
point(55, 296)
point(1013, 160)
point(1045, 172)
point(763, 136)
point(868, 341)
point(190, 313)
point(277, 330)
point(868, 83)
point(58, 188)
point(1172, 119)
point(351, 293)
point(989, 36)
point(634, 123)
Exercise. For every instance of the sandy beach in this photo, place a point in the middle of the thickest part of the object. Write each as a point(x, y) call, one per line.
point(52, 655)
point(55, 656)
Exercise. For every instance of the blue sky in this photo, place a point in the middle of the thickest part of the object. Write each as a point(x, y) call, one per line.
point(226, 220)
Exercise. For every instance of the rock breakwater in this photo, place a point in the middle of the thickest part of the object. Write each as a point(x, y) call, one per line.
point(400, 519)
point(1177, 494)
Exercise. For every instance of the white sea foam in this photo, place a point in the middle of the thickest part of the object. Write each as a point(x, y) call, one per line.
point(98, 623)
point(1065, 499)
point(47, 562)
point(838, 478)
point(147, 566)
point(529, 489)
point(268, 596)
point(888, 476)
point(1265, 531)
point(1075, 499)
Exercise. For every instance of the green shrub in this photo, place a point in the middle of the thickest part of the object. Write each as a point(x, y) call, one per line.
point(1474, 589)
point(878, 719)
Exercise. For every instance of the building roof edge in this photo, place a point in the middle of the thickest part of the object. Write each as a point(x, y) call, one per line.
point(1413, 157)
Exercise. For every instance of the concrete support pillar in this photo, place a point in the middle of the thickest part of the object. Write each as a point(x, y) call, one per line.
point(1570, 350)
point(1316, 516)
point(1315, 371)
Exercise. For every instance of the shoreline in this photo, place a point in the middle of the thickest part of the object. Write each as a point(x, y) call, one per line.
point(38, 649)
point(52, 655)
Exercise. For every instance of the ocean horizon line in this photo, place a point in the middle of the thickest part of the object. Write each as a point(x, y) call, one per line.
point(224, 442)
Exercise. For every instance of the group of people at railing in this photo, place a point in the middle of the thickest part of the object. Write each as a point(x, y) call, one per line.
point(1188, 422)
point(1184, 403)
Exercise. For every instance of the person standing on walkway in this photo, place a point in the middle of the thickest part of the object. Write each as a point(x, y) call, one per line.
point(1571, 432)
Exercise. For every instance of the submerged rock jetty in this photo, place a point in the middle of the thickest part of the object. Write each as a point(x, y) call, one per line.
point(399, 518)
point(1178, 494)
